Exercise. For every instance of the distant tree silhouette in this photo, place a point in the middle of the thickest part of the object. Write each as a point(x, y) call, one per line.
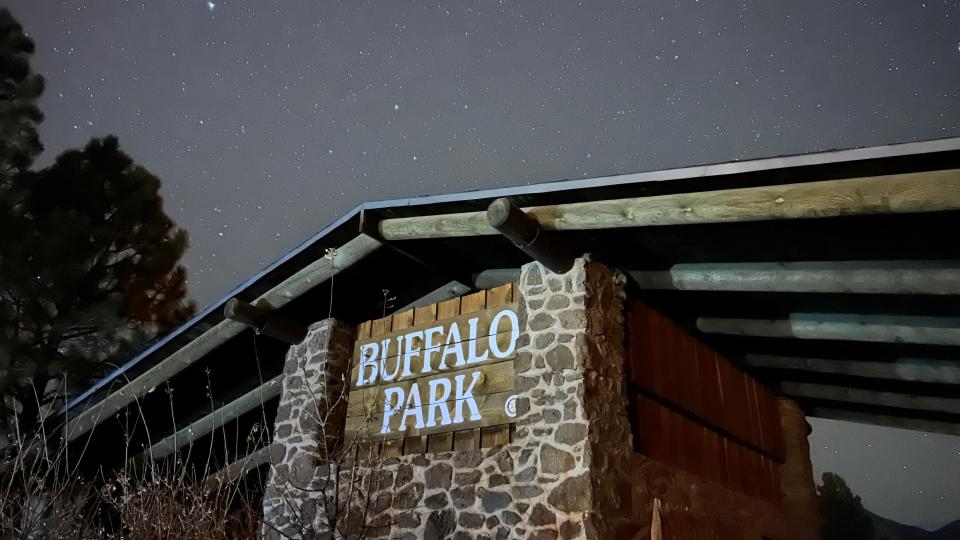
point(19, 90)
point(89, 261)
point(842, 516)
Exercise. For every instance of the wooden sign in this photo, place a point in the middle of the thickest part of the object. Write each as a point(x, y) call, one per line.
point(448, 372)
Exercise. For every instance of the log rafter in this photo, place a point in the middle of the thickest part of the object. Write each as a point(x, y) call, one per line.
point(932, 191)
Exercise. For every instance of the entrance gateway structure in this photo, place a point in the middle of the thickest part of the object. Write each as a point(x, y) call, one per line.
point(626, 357)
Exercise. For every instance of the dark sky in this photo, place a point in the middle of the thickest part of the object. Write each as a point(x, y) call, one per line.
point(267, 120)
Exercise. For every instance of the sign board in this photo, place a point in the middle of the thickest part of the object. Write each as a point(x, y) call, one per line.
point(449, 372)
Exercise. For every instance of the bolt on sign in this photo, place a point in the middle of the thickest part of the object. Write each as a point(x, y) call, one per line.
point(446, 367)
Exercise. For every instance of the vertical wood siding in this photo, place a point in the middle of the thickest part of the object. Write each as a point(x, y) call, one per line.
point(694, 410)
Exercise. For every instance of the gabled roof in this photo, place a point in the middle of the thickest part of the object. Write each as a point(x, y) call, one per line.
point(815, 371)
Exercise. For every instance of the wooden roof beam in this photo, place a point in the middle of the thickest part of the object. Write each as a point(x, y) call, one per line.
point(853, 277)
point(859, 277)
point(842, 327)
point(495, 277)
point(932, 191)
point(451, 289)
point(895, 400)
point(886, 420)
point(924, 370)
point(239, 468)
point(265, 321)
point(526, 233)
point(214, 420)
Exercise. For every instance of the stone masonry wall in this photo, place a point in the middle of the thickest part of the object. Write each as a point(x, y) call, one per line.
point(540, 486)
point(308, 424)
point(570, 471)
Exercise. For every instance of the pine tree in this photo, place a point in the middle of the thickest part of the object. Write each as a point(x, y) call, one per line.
point(19, 90)
point(842, 516)
point(89, 260)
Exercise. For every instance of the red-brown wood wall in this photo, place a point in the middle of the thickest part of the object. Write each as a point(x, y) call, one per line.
point(694, 410)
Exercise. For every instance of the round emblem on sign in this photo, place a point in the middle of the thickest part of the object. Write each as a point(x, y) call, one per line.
point(510, 406)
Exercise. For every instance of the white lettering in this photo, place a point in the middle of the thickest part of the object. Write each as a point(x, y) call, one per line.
point(453, 338)
point(414, 408)
point(464, 396)
point(368, 354)
point(438, 401)
point(383, 360)
point(412, 350)
point(472, 357)
point(514, 333)
point(430, 347)
point(390, 409)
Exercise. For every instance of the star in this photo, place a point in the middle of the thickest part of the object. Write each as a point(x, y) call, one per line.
point(211, 6)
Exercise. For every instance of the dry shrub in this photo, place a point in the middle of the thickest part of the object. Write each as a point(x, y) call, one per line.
point(169, 507)
point(38, 502)
point(39, 497)
point(42, 497)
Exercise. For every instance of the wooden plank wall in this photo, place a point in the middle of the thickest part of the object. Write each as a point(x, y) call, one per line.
point(466, 439)
point(694, 410)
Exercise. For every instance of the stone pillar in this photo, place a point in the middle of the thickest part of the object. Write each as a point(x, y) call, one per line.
point(796, 474)
point(572, 431)
point(562, 477)
point(308, 426)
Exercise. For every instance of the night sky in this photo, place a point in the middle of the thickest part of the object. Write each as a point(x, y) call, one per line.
point(267, 120)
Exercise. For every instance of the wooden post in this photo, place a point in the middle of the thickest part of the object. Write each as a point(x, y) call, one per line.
point(264, 321)
point(796, 473)
point(526, 233)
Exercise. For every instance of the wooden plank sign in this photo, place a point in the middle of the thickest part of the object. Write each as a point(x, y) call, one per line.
point(443, 368)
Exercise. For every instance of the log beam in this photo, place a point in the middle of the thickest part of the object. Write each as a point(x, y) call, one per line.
point(495, 277)
point(886, 420)
point(931, 191)
point(264, 321)
point(239, 468)
point(214, 420)
point(447, 291)
point(853, 277)
point(905, 369)
point(827, 326)
point(826, 392)
point(526, 233)
point(304, 280)
point(858, 277)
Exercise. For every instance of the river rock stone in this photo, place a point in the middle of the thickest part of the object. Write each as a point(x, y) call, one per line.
point(572, 495)
point(494, 500)
point(438, 476)
point(555, 461)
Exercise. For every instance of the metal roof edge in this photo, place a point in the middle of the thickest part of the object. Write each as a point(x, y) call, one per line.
point(695, 171)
